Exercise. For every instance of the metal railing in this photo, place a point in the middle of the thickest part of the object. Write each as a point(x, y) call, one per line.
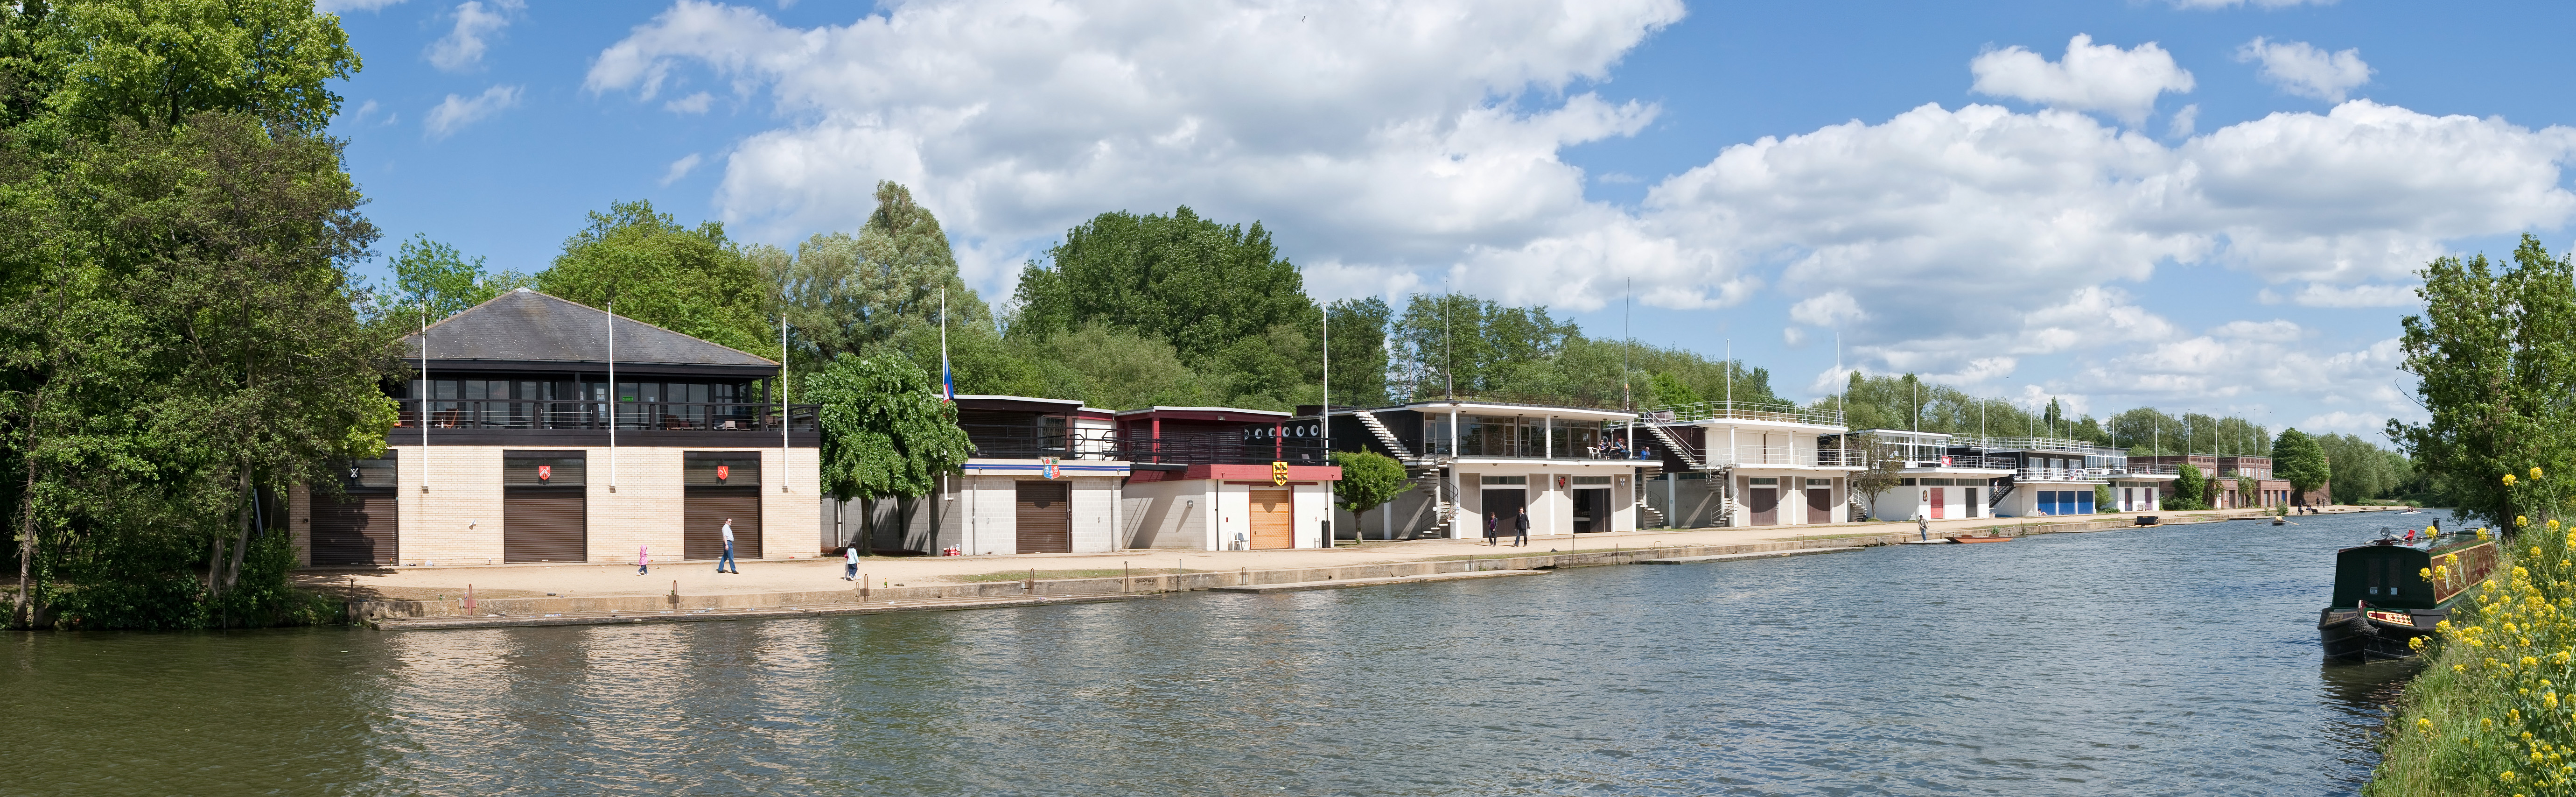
point(1021, 441)
point(1774, 412)
point(2149, 469)
point(1220, 448)
point(2062, 474)
point(580, 415)
point(2040, 444)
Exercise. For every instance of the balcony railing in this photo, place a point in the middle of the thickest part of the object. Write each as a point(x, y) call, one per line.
point(1565, 449)
point(594, 415)
point(1221, 448)
point(2039, 444)
point(2144, 468)
point(2062, 474)
point(1773, 412)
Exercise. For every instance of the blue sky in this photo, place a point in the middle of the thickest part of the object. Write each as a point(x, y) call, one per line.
point(2199, 205)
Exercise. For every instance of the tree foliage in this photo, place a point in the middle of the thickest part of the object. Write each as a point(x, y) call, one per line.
point(1369, 479)
point(2495, 360)
point(693, 281)
point(2362, 471)
point(886, 432)
point(1191, 282)
point(436, 277)
point(2190, 490)
point(2298, 459)
point(844, 294)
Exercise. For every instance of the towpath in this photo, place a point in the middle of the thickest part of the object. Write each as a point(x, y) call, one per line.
point(824, 573)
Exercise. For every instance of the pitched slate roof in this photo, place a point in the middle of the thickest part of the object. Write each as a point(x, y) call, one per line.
point(524, 326)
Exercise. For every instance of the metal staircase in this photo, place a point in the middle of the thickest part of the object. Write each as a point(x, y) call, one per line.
point(1674, 445)
point(1385, 436)
point(1444, 497)
point(1646, 513)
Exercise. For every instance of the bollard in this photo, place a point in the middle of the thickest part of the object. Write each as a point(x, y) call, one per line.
point(863, 587)
point(469, 599)
point(1030, 585)
point(675, 594)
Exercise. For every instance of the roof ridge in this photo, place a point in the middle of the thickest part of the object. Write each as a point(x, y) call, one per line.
point(612, 330)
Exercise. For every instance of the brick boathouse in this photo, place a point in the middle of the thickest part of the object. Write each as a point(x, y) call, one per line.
point(508, 449)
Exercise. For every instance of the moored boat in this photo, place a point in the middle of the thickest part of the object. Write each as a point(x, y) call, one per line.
point(2382, 599)
point(1966, 538)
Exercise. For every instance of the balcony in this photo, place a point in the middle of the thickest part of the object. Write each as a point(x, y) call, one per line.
point(2147, 469)
point(1219, 448)
point(1762, 411)
point(594, 415)
point(2062, 475)
point(1978, 461)
point(2039, 444)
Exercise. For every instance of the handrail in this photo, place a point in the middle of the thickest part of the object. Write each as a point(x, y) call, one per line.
point(587, 415)
point(1770, 411)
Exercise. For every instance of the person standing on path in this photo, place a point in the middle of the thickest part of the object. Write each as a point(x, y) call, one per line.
point(727, 561)
point(643, 556)
point(1490, 529)
point(850, 564)
point(1520, 526)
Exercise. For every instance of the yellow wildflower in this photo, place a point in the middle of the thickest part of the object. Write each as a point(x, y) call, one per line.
point(2535, 472)
point(2508, 480)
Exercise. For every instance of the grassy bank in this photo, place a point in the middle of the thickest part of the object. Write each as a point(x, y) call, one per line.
point(2491, 712)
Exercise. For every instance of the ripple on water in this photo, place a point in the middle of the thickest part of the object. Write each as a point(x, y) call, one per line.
point(2173, 661)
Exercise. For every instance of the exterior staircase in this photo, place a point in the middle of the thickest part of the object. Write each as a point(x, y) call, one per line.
point(1444, 504)
point(1647, 514)
point(1997, 499)
point(1385, 437)
point(1674, 445)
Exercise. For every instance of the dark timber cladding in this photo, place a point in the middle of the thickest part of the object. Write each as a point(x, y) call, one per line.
point(720, 485)
point(1045, 517)
point(358, 526)
point(544, 510)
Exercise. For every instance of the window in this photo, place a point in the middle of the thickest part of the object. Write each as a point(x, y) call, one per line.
point(1906, 482)
point(1591, 480)
point(1505, 480)
point(1820, 482)
point(1766, 480)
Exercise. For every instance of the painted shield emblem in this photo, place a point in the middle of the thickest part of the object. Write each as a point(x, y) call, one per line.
point(1050, 467)
point(1279, 473)
point(723, 471)
point(545, 472)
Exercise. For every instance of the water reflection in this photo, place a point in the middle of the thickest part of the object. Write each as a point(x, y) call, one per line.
point(2176, 661)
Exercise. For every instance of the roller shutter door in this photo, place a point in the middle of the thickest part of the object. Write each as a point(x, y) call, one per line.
point(1045, 517)
point(544, 524)
point(1820, 504)
point(357, 529)
point(1274, 525)
point(704, 515)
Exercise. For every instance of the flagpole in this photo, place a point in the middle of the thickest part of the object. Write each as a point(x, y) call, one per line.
point(947, 378)
point(425, 391)
point(786, 411)
point(612, 395)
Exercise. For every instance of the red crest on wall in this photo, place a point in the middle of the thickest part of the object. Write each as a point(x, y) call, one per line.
point(545, 472)
point(723, 471)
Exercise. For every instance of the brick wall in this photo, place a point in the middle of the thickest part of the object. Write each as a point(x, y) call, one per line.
point(645, 508)
point(458, 521)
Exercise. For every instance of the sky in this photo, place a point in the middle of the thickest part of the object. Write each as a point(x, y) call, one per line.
point(2199, 205)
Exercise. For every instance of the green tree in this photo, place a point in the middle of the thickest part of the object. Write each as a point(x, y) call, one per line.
point(689, 280)
point(2495, 359)
point(2298, 459)
point(1191, 282)
point(2362, 471)
point(1662, 390)
point(886, 433)
point(156, 63)
point(845, 293)
point(1883, 474)
point(1118, 370)
point(1369, 479)
point(434, 275)
point(2190, 490)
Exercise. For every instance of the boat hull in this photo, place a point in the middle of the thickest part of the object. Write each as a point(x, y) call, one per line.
point(2374, 634)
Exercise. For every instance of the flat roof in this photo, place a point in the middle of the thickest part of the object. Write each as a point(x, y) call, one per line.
point(1205, 413)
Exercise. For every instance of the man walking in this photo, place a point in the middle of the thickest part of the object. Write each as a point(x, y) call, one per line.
point(1490, 528)
point(850, 564)
point(1520, 528)
point(723, 564)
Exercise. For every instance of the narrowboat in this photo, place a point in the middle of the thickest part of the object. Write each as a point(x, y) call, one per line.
point(2382, 599)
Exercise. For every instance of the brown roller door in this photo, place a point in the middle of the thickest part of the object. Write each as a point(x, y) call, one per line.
point(355, 530)
point(1274, 526)
point(544, 524)
point(1820, 505)
point(1045, 517)
point(702, 535)
point(1765, 503)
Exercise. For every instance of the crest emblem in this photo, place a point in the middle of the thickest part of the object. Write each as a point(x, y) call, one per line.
point(545, 472)
point(1050, 467)
point(1279, 473)
point(723, 472)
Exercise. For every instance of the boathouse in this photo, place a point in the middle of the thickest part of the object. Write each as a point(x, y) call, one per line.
point(1571, 467)
point(2058, 476)
point(1938, 478)
point(1752, 463)
point(1045, 477)
point(1224, 478)
point(515, 444)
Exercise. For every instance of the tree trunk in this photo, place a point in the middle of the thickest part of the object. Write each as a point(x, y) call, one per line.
point(903, 508)
point(241, 538)
point(867, 539)
point(27, 552)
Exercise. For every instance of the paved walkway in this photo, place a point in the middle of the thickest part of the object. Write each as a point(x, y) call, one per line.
point(787, 575)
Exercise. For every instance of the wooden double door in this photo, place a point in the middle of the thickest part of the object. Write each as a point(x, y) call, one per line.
point(1273, 520)
point(1044, 517)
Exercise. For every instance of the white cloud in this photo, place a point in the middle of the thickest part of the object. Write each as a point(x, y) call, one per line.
point(694, 103)
point(2183, 122)
point(2091, 77)
point(2303, 69)
point(476, 23)
point(455, 112)
point(1363, 132)
point(338, 6)
point(2369, 295)
point(680, 168)
point(1827, 309)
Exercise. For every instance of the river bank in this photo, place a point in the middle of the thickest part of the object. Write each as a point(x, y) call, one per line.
point(2486, 715)
point(612, 594)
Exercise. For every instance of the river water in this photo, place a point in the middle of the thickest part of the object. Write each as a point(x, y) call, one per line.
point(2176, 661)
